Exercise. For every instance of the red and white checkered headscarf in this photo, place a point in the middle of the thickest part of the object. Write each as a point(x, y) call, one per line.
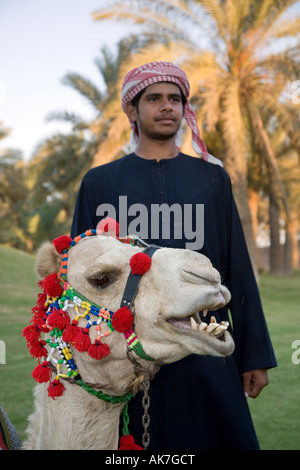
point(153, 72)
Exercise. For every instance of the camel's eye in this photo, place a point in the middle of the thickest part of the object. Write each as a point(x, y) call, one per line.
point(100, 281)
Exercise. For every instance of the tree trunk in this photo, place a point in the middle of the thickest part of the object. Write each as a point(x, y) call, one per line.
point(291, 248)
point(238, 174)
point(253, 205)
point(275, 247)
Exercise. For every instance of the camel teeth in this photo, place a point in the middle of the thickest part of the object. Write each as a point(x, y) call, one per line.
point(212, 320)
point(220, 330)
point(211, 327)
point(205, 312)
point(193, 324)
point(202, 326)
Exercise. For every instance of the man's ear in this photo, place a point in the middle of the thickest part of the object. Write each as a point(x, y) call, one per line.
point(131, 112)
point(48, 260)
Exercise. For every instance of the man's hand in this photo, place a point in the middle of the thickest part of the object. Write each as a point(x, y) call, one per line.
point(254, 381)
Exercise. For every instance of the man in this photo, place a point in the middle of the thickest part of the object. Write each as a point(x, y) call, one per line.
point(198, 402)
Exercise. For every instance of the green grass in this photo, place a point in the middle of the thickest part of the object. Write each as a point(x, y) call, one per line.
point(275, 412)
point(18, 287)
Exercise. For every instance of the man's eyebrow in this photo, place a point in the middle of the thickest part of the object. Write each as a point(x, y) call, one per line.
point(157, 95)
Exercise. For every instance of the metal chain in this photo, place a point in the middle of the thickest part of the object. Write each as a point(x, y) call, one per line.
point(146, 416)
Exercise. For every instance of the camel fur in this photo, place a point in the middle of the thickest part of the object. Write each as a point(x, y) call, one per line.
point(179, 284)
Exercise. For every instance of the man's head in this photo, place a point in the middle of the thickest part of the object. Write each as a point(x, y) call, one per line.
point(157, 111)
point(139, 79)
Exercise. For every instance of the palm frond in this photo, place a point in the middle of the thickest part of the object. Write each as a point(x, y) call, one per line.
point(152, 16)
point(85, 87)
point(76, 121)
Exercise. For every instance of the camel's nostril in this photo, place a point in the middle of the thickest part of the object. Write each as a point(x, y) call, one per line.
point(201, 276)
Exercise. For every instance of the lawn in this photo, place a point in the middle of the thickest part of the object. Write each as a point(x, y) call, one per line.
point(275, 412)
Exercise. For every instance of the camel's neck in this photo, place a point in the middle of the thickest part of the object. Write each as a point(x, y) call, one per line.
point(77, 420)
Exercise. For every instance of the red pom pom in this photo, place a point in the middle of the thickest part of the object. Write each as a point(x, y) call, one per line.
point(140, 263)
point(82, 340)
point(122, 320)
point(51, 286)
point(62, 243)
point(55, 389)
point(98, 350)
point(42, 373)
point(127, 442)
point(108, 225)
point(58, 319)
point(71, 331)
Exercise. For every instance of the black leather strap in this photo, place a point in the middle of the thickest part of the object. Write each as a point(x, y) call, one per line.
point(134, 279)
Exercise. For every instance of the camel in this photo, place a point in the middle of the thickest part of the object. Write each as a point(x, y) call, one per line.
point(175, 286)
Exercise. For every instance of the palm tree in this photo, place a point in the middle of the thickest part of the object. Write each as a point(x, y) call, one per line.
point(103, 101)
point(12, 196)
point(239, 62)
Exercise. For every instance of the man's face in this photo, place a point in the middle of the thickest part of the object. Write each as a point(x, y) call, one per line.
point(159, 112)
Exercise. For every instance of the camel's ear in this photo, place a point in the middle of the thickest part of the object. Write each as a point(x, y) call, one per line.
point(48, 260)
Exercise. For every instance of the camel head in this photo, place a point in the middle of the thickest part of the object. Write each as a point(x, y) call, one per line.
point(82, 304)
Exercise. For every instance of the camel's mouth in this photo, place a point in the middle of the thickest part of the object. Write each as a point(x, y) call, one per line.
point(194, 324)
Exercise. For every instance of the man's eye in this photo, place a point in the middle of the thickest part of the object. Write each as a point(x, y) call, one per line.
point(100, 281)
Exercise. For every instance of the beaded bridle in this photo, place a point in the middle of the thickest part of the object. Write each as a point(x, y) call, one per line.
point(50, 316)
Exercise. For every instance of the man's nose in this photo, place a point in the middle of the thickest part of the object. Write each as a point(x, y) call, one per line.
point(166, 105)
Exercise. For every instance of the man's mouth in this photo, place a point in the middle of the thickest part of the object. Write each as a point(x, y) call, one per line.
point(166, 119)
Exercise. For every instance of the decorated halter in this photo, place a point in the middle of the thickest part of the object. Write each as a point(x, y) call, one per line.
point(50, 315)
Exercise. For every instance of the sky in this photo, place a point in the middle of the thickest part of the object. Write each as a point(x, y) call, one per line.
point(40, 42)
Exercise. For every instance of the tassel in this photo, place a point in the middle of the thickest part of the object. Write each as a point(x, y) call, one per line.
point(42, 299)
point(42, 373)
point(41, 324)
point(37, 349)
point(98, 350)
point(51, 286)
point(71, 331)
point(58, 319)
point(40, 309)
point(38, 314)
point(31, 333)
point(127, 442)
point(55, 389)
point(82, 340)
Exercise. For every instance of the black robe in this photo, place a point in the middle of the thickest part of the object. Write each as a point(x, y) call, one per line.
point(198, 402)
